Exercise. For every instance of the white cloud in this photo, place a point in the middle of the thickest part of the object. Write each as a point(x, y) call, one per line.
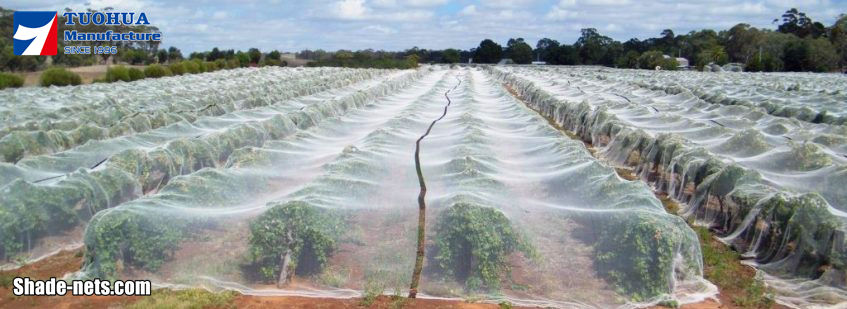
point(380, 29)
point(399, 24)
point(220, 15)
point(557, 13)
point(425, 3)
point(508, 3)
point(349, 9)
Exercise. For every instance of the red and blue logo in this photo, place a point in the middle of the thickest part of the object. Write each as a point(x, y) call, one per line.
point(35, 33)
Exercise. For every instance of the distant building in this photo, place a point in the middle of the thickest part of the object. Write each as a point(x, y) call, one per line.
point(683, 63)
point(539, 62)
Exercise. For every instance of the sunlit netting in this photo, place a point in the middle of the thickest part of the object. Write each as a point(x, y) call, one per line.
point(280, 181)
point(773, 187)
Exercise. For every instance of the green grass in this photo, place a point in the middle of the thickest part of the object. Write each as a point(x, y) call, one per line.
point(722, 267)
point(374, 287)
point(6, 280)
point(186, 299)
point(334, 276)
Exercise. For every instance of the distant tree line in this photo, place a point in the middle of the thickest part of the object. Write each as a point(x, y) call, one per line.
point(797, 44)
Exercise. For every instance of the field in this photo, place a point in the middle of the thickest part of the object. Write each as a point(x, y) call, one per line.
point(302, 182)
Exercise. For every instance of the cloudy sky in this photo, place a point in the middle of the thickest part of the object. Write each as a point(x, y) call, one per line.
point(399, 24)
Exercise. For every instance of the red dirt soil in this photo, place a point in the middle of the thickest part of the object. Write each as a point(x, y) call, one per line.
point(69, 261)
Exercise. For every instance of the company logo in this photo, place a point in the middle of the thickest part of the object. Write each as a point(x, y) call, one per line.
point(35, 33)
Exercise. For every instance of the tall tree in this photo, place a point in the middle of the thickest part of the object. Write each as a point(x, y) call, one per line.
point(488, 52)
point(255, 55)
point(797, 23)
point(519, 51)
point(838, 37)
point(174, 54)
point(213, 55)
point(593, 47)
point(545, 50)
point(450, 55)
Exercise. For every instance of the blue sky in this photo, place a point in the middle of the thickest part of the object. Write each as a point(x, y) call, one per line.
point(286, 25)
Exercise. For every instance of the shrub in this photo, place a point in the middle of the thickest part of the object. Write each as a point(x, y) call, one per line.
point(136, 74)
point(156, 71)
point(473, 243)
point(221, 64)
point(201, 66)
point(8, 80)
point(117, 73)
point(192, 67)
point(233, 64)
point(305, 232)
point(636, 253)
point(59, 77)
point(177, 68)
point(211, 66)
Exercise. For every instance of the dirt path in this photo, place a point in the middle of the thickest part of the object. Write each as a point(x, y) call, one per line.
point(69, 261)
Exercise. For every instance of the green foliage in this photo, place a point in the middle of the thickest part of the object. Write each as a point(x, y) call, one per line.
point(192, 66)
point(451, 55)
point(177, 68)
point(488, 52)
point(211, 66)
point(274, 55)
point(374, 287)
point(596, 49)
point(722, 267)
point(312, 233)
point(9, 80)
point(504, 305)
point(412, 60)
point(808, 156)
point(816, 55)
point(272, 62)
point(162, 56)
point(629, 60)
point(472, 243)
point(346, 59)
point(669, 64)
point(6, 279)
point(134, 56)
point(714, 54)
point(135, 74)
point(334, 276)
point(636, 252)
point(58, 76)
point(117, 73)
point(243, 59)
point(654, 58)
point(519, 51)
point(186, 299)
point(156, 71)
point(221, 64)
point(233, 64)
point(201, 65)
point(129, 238)
point(255, 55)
